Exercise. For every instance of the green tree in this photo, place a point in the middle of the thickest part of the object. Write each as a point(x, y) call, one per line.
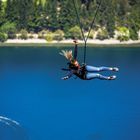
point(8, 10)
point(9, 29)
point(74, 33)
point(39, 16)
point(1, 13)
point(0, 5)
point(124, 33)
point(133, 34)
point(87, 12)
point(67, 15)
point(25, 13)
point(24, 34)
point(3, 37)
point(133, 2)
point(49, 37)
point(133, 21)
point(52, 13)
point(110, 18)
point(58, 35)
point(122, 9)
point(102, 34)
point(11, 11)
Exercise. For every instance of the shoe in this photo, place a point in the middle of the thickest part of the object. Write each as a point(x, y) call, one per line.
point(115, 69)
point(112, 77)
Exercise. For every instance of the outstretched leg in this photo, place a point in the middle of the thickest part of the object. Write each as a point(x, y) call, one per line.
point(90, 76)
point(98, 69)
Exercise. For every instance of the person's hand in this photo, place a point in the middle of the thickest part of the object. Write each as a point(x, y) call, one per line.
point(83, 64)
point(65, 78)
point(65, 69)
point(75, 41)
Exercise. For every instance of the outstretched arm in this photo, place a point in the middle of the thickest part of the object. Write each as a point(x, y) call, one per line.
point(64, 69)
point(68, 76)
point(75, 49)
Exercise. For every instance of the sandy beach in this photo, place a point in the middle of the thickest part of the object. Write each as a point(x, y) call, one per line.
point(69, 41)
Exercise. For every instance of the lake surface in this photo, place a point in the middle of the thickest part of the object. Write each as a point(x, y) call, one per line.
point(48, 108)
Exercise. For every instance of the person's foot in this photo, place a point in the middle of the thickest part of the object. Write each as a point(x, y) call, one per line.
point(112, 77)
point(115, 69)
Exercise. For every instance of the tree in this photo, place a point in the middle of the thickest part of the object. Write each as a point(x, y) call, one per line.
point(58, 35)
point(74, 33)
point(133, 2)
point(110, 25)
point(3, 37)
point(122, 9)
point(8, 10)
point(25, 13)
point(133, 21)
point(123, 34)
point(102, 34)
point(24, 34)
point(1, 13)
point(39, 17)
point(11, 11)
point(133, 34)
point(87, 13)
point(0, 5)
point(9, 29)
point(66, 16)
point(52, 13)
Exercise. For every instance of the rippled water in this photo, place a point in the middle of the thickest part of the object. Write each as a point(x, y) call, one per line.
point(48, 108)
point(11, 130)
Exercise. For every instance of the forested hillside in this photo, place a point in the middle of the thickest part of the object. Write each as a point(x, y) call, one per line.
point(34, 16)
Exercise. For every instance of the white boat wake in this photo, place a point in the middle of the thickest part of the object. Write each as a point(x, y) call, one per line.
point(11, 130)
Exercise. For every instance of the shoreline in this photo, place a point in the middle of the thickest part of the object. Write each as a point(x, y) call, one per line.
point(90, 43)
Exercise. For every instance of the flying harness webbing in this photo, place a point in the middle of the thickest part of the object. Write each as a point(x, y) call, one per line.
point(92, 23)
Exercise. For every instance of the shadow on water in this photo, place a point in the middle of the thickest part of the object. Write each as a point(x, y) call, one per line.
point(11, 130)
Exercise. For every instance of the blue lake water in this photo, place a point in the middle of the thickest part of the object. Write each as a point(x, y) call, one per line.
point(48, 108)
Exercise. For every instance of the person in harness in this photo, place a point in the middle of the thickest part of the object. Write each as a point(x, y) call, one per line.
point(84, 72)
